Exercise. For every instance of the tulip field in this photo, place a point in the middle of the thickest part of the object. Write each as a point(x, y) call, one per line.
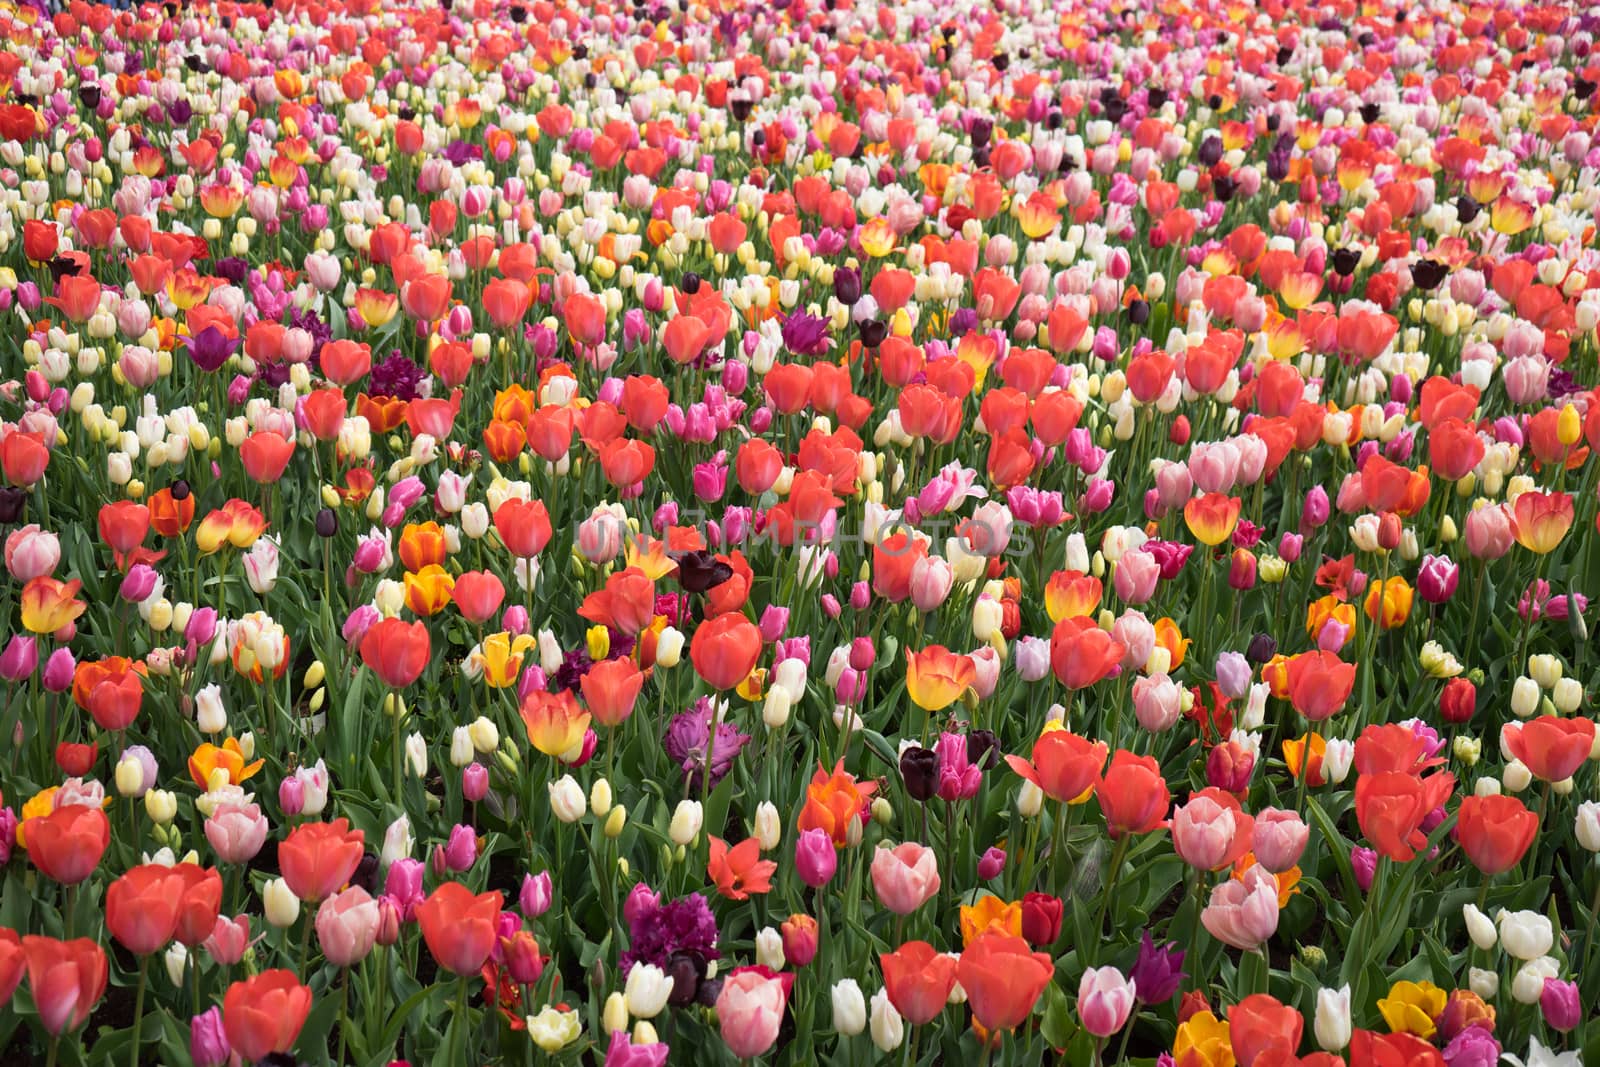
point(624, 533)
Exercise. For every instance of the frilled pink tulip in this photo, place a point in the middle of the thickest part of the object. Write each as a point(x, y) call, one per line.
point(905, 877)
point(1243, 913)
point(750, 1009)
point(347, 926)
point(1280, 838)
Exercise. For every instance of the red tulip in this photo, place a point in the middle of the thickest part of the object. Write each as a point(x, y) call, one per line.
point(200, 904)
point(1262, 1030)
point(1133, 795)
point(1064, 765)
point(523, 526)
point(725, 650)
point(478, 595)
point(1495, 831)
point(918, 978)
point(12, 962)
point(67, 844)
point(1320, 683)
point(67, 979)
point(1003, 979)
point(1390, 807)
point(460, 928)
point(1553, 748)
point(317, 858)
point(1081, 653)
point(396, 651)
point(265, 1013)
point(142, 907)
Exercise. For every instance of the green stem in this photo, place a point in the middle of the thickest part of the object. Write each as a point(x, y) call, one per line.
point(461, 1017)
point(138, 1011)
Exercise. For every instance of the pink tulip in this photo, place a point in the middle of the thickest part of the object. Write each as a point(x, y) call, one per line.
point(236, 832)
point(905, 877)
point(814, 858)
point(1105, 1000)
point(228, 940)
point(1136, 576)
point(750, 1009)
point(1210, 832)
point(347, 926)
point(1243, 914)
point(1280, 838)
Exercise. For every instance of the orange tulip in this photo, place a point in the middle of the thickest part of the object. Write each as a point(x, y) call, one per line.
point(1306, 751)
point(1133, 796)
point(422, 544)
point(265, 454)
point(208, 759)
point(428, 591)
point(265, 1013)
point(936, 677)
point(554, 722)
point(1003, 979)
point(318, 858)
point(725, 649)
point(990, 915)
point(169, 516)
point(66, 845)
point(460, 928)
point(1264, 1031)
point(1064, 766)
point(1388, 603)
point(739, 871)
point(1072, 594)
point(610, 689)
point(918, 978)
point(833, 802)
point(1390, 808)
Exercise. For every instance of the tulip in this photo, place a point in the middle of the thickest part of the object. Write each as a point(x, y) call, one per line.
point(208, 1040)
point(318, 858)
point(66, 845)
point(1003, 979)
point(849, 1007)
point(1243, 913)
point(917, 980)
point(750, 1010)
point(1105, 1000)
point(67, 979)
point(347, 926)
point(264, 1014)
point(459, 927)
point(1133, 796)
point(1263, 1031)
point(1560, 1003)
point(815, 859)
point(1495, 832)
point(396, 651)
point(1157, 972)
point(905, 877)
point(1211, 831)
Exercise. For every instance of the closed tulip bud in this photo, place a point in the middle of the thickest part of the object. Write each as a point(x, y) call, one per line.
point(1567, 695)
point(1480, 928)
point(129, 777)
point(600, 797)
point(768, 826)
point(1587, 827)
point(1466, 749)
point(1545, 669)
point(485, 735)
point(161, 806)
point(669, 647)
point(474, 782)
point(616, 821)
point(775, 708)
point(1483, 981)
point(1030, 800)
point(800, 934)
point(769, 948)
point(1569, 425)
point(1524, 697)
point(566, 799)
point(849, 1008)
point(645, 1034)
point(1527, 984)
point(1336, 760)
point(687, 820)
point(281, 905)
point(1333, 1018)
point(882, 812)
point(461, 752)
point(615, 1015)
point(888, 1028)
